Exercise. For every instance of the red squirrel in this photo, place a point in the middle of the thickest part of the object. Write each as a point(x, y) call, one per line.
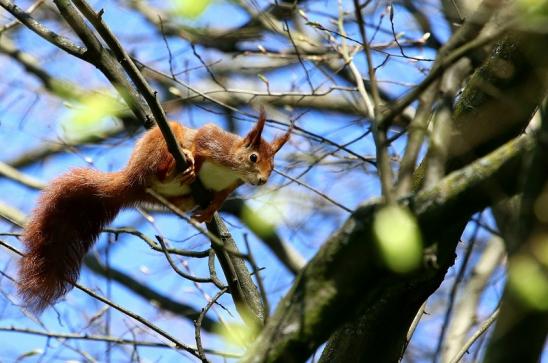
point(74, 208)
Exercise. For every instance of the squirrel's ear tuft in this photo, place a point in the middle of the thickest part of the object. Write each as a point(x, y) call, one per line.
point(253, 138)
point(281, 140)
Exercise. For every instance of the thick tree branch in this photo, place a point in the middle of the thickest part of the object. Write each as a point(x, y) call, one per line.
point(481, 127)
point(522, 327)
point(325, 291)
point(245, 294)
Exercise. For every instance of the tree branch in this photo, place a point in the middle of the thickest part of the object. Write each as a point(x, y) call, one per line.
point(324, 293)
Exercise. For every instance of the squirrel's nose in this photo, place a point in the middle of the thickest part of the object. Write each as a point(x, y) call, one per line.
point(262, 180)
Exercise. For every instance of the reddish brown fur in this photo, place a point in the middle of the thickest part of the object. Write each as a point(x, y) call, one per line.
point(71, 212)
point(74, 208)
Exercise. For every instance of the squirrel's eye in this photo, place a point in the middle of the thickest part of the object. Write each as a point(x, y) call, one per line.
point(253, 158)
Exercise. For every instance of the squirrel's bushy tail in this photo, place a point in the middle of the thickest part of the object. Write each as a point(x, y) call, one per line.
point(71, 213)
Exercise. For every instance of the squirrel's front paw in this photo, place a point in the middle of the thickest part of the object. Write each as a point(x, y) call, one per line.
point(189, 175)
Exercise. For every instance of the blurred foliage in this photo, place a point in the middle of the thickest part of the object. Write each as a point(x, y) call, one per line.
point(536, 12)
point(539, 7)
point(398, 238)
point(87, 116)
point(256, 221)
point(264, 213)
point(539, 248)
point(189, 8)
point(528, 281)
point(236, 334)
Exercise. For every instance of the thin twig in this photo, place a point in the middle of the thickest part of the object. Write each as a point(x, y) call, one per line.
point(437, 71)
point(178, 270)
point(379, 133)
point(103, 338)
point(29, 11)
point(324, 196)
point(144, 290)
point(58, 40)
point(154, 245)
point(298, 53)
point(135, 316)
point(454, 289)
point(214, 239)
point(198, 323)
point(395, 36)
point(170, 55)
point(481, 330)
point(415, 323)
point(367, 51)
point(211, 266)
point(209, 71)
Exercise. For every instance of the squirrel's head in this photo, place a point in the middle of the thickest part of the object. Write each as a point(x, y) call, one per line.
point(256, 156)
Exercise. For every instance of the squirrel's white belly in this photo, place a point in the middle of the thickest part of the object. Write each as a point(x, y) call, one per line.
point(217, 177)
point(170, 187)
point(212, 176)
